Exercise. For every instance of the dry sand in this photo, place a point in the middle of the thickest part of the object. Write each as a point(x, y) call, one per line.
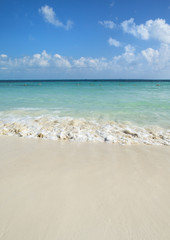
point(72, 191)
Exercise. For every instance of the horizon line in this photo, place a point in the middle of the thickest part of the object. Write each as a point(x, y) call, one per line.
point(85, 79)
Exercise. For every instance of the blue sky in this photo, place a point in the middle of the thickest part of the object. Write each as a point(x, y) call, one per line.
point(84, 39)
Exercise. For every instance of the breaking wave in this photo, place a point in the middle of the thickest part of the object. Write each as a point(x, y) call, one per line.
point(81, 130)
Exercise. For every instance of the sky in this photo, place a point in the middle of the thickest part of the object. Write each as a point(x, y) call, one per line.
point(78, 39)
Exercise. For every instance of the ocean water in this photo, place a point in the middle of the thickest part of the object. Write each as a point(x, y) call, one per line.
point(126, 112)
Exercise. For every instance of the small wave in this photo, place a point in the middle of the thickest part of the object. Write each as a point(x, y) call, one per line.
point(81, 130)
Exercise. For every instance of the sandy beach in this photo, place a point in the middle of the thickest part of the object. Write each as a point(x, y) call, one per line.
point(51, 190)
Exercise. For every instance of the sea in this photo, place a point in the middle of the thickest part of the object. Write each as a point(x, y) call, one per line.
point(112, 111)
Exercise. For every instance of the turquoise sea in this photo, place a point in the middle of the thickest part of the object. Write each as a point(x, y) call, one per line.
point(134, 105)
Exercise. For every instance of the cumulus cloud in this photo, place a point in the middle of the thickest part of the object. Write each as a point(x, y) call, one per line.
point(97, 64)
point(113, 42)
point(150, 54)
point(158, 59)
point(127, 57)
point(50, 16)
point(61, 61)
point(108, 24)
point(129, 54)
point(152, 29)
point(149, 62)
point(39, 60)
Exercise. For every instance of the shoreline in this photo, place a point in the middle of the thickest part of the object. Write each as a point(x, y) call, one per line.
point(82, 130)
point(69, 190)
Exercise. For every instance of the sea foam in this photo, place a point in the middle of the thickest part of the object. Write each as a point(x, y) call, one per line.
point(81, 130)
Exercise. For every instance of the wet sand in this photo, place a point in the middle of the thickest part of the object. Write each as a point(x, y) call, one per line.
point(51, 190)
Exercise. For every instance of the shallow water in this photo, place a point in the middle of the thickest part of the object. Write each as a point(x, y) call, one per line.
point(95, 106)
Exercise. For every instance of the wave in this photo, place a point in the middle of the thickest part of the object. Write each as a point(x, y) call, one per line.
point(81, 130)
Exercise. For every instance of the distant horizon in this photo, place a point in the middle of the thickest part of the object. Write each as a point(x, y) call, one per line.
point(83, 80)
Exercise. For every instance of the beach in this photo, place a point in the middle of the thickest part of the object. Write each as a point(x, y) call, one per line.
point(71, 190)
point(85, 120)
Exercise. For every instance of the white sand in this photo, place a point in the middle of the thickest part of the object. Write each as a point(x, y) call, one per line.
point(71, 191)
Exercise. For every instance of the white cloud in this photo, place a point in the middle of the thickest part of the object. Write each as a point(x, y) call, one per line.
point(61, 61)
point(3, 56)
point(152, 29)
point(158, 59)
point(113, 42)
point(129, 54)
point(149, 63)
point(127, 57)
point(38, 60)
point(81, 62)
point(150, 54)
point(108, 24)
point(50, 16)
point(97, 64)
point(137, 30)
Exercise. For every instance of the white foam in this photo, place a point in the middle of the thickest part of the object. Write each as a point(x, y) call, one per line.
point(81, 130)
